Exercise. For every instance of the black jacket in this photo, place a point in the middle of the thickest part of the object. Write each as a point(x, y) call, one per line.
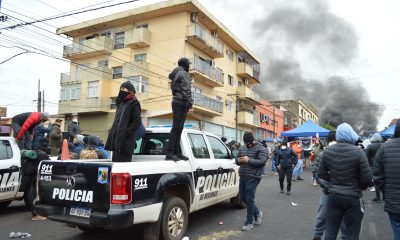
point(181, 87)
point(122, 134)
point(73, 129)
point(286, 157)
point(258, 156)
point(21, 118)
point(387, 173)
point(371, 151)
point(345, 167)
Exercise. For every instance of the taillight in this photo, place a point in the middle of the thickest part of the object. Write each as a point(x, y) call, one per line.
point(121, 188)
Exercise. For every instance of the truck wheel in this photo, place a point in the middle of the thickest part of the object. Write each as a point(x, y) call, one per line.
point(4, 204)
point(237, 203)
point(174, 220)
point(89, 229)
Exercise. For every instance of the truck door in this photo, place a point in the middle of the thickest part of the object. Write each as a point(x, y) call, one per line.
point(10, 165)
point(204, 171)
point(227, 182)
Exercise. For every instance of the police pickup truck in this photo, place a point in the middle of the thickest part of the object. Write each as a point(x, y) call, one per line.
point(97, 194)
point(10, 172)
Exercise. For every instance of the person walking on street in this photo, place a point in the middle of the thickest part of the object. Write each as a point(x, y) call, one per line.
point(286, 160)
point(298, 169)
point(121, 139)
point(73, 127)
point(23, 125)
point(251, 158)
point(182, 103)
point(56, 138)
point(345, 169)
point(386, 175)
point(370, 151)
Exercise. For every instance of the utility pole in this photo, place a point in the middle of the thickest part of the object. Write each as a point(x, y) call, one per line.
point(39, 100)
point(273, 110)
point(43, 101)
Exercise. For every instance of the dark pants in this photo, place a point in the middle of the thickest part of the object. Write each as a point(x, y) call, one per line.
point(377, 192)
point(247, 188)
point(30, 191)
point(25, 142)
point(346, 209)
point(179, 116)
point(121, 157)
point(288, 172)
point(395, 222)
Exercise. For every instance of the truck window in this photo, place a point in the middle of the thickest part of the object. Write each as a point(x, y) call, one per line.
point(218, 148)
point(198, 145)
point(5, 150)
point(152, 144)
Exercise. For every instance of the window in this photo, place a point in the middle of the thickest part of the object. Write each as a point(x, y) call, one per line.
point(199, 147)
point(197, 90)
point(116, 72)
point(70, 92)
point(113, 104)
point(140, 83)
point(76, 92)
point(144, 25)
point(106, 34)
point(219, 99)
point(93, 89)
point(218, 148)
point(119, 40)
point(140, 57)
point(102, 63)
point(5, 150)
point(152, 144)
point(229, 106)
point(230, 80)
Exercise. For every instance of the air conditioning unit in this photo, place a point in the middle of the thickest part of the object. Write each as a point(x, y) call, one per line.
point(214, 33)
point(194, 17)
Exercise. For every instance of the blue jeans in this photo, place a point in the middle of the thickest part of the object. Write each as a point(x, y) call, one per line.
point(273, 167)
point(320, 221)
point(247, 188)
point(298, 169)
point(395, 222)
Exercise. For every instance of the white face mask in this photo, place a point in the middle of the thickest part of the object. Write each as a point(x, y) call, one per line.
point(283, 147)
point(75, 120)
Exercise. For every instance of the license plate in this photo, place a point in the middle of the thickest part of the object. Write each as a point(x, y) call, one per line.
point(80, 212)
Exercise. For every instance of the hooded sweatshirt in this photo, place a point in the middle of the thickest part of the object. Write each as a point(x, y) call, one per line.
point(372, 149)
point(345, 133)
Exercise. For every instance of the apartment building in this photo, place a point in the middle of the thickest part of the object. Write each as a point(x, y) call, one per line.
point(271, 120)
point(143, 45)
point(297, 112)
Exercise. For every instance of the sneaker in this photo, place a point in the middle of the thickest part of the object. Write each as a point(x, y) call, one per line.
point(299, 178)
point(258, 219)
point(372, 189)
point(247, 227)
point(315, 182)
point(276, 174)
point(288, 193)
point(172, 157)
point(182, 157)
point(282, 191)
point(38, 218)
point(294, 179)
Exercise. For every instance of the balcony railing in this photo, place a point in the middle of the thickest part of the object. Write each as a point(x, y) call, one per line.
point(211, 75)
point(65, 78)
point(88, 48)
point(85, 74)
point(248, 95)
point(247, 119)
point(203, 40)
point(134, 68)
point(137, 38)
point(207, 103)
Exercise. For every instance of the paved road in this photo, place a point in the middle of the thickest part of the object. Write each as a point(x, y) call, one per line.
point(282, 220)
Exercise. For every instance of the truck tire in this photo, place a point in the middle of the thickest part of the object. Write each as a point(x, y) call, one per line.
point(4, 204)
point(174, 219)
point(236, 202)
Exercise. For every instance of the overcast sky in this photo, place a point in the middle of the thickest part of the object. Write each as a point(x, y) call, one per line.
point(375, 67)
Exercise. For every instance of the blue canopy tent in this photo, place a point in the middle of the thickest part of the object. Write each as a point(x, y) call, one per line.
point(308, 129)
point(388, 132)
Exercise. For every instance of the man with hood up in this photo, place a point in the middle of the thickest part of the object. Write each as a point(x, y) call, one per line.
point(345, 169)
point(286, 159)
point(182, 103)
point(386, 176)
point(370, 151)
point(121, 139)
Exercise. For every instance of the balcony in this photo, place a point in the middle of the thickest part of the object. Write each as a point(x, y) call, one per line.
point(137, 38)
point(249, 96)
point(65, 78)
point(206, 105)
point(206, 73)
point(86, 105)
point(245, 70)
point(198, 37)
point(87, 74)
point(134, 68)
point(88, 48)
point(247, 119)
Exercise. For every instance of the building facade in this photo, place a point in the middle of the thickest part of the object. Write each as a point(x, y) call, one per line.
point(296, 112)
point(271, 120)
point(143, 46)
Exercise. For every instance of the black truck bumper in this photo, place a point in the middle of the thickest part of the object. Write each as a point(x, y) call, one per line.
point(114, 218)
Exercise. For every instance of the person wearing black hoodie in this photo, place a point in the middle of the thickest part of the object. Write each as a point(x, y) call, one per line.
point(370, 151)
point(285, 162)
point(121, 139)
point(182, 103)
point(386, 175)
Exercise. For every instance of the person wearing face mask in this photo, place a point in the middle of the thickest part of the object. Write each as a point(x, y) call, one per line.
point(285, 161)
point(182, 103)
point(251, 158)
point(73, 127)
point(121, 139)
